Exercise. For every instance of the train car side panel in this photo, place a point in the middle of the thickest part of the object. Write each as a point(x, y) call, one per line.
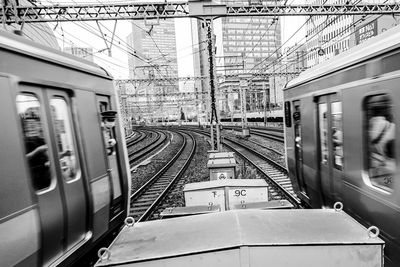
point(100, 188)
point(22, 247)
point(302, 157)
point(59, 196)
point(33, 61)
point(69, 164)
point(14, 177)
point(117, 160)
point(309, 154)
point(376, 204)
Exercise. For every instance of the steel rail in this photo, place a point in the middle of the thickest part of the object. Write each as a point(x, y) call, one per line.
point(148, 185)
point(140, 153)
point(288, 195)
point(179, 175)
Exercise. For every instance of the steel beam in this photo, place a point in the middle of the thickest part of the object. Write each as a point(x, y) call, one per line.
point(138, 11)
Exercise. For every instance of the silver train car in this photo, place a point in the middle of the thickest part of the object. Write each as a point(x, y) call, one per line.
point(63, 186)
point(342, 121)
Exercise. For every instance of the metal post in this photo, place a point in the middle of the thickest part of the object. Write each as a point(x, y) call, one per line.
point(211, 60)
point(243, 84)
point(233, 105)
point(218, 124)
point(265, 105)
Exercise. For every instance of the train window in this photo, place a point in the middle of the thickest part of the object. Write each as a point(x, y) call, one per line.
point(108, 128)
point(298, 145)
point(64, 138)
point(29, 110)
point(323, 131)
point(337, 135)
point(380, 141)
point(288, 120)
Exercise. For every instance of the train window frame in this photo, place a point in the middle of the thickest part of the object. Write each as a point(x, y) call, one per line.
point(71, 155)
point(51, 175)
point(374, 147)
point(323, 133)
point(288, 118)
point(112, 157)
point(298, 146)
point(337, 136)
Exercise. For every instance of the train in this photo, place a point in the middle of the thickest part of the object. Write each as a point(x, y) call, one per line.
point(342, 135)
point(65, 183)
point(275, 115)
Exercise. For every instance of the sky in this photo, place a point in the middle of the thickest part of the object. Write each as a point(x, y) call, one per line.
point(87, 34)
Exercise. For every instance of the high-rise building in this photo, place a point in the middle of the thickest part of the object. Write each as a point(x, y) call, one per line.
point(152, 55)
point(201, 66)
point(247, 45)
point(328, 36)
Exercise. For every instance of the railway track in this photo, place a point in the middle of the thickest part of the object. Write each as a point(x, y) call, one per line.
point(272, 134)
point(257, 144)
point(267, 148)
point(276, 173)
point(280, 186)
point(268, 133)
point(144, 202)
point(136, 138)
point(158, 139)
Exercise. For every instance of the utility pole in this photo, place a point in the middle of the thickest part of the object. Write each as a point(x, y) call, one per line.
point(243, 84)
point(265, 105)
point(215, 144)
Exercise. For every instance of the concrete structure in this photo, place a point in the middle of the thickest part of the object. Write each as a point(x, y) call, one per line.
point(152, 47)
point(201, 65)
point(328, 36)
point(246, 44)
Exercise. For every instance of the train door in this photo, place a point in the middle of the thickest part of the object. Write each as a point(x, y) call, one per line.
point(330, 147)
point(31, 110)
point(68, 167)
point(112, 160)
point(298, 148)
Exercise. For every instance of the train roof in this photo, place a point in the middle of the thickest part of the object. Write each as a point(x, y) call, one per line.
point(382, 43)
point(163, 239)
point(21, 45)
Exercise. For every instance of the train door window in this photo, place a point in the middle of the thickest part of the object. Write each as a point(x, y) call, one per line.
point(380, 127)
point(337, 134)
point(323, 131)
point(288, 119)
point(36, 146)
point(298, 145)
point(112, 157)
point(64, 138)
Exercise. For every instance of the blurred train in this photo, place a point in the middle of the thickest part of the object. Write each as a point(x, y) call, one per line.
point(342, 135)
point(272, 116)
point(63, 186)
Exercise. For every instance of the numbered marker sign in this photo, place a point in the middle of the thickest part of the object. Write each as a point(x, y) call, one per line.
point(216, 196)
point(226, 192)
point(241, 195)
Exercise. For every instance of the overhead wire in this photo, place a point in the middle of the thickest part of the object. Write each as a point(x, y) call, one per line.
point(276, 50)
point(303, 44)
point(341, 32)
point(298, 47)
